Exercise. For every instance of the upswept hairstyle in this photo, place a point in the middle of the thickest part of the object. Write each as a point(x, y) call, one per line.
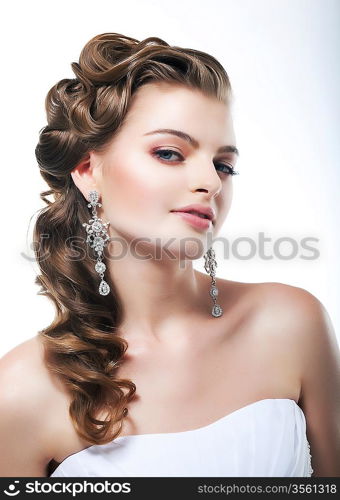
point(81, 345)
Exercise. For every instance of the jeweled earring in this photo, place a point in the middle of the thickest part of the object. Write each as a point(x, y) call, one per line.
point(97, 237)
point(210, 266)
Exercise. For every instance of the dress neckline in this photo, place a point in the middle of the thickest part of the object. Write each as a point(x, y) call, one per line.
point(164, 435)
point(188, 432)
point(208, 426)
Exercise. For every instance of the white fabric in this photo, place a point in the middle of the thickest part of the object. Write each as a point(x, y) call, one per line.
point(266, 438)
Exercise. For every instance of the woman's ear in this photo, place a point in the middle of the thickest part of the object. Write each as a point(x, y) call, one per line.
point(84, 175)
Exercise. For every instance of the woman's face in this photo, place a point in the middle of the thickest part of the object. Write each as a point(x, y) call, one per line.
point(142, 176)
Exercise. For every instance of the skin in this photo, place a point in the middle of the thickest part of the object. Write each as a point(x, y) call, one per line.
point(138, 189)
point(273, 340)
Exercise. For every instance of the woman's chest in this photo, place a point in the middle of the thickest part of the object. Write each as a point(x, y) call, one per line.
point(187, 385)
point(180, 391)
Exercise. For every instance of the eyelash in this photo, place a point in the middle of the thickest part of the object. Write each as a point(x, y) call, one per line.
point(231, 170)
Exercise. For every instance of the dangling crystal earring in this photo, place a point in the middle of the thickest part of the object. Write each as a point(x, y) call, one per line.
point(210, 266)
point(97, 237)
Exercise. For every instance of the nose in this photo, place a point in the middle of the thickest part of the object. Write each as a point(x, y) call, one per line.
point(204, 177)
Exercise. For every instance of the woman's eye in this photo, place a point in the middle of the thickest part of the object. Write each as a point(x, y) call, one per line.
point(225, 168)
point(167, 152)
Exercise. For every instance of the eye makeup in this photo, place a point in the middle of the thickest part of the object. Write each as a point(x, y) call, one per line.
point(156, 152)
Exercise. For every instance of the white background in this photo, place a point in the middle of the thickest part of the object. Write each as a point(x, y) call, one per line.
point(283, 62)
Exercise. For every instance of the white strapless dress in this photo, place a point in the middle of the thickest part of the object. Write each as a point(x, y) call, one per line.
point(266, 438)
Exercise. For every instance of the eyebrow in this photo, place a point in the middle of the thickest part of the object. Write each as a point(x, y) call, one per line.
point(223, 149)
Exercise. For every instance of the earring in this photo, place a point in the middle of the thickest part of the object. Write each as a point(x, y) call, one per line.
point(210, 267)
point(97, 237)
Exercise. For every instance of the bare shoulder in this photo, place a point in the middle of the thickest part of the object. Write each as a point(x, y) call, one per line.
point(20, 369)
point(277, 297)
point(288, 314)
point(273, 306)
point(270, 301)
point(279, 316)
point(301, 327)
point(294, 311)
point(24, 365)
point(27, 401)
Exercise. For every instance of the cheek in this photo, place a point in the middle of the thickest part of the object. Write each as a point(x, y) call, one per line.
point(132, 188)
point(224, 204)
point(228, 196)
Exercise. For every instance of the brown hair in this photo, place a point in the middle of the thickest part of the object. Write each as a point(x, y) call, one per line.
point(81, 345)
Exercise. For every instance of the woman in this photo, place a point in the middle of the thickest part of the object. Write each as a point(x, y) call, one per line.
point(151, 367)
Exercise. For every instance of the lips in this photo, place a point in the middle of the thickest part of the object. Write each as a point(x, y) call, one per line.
point(198, 210)
point(199, 214)
point(194, 220)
